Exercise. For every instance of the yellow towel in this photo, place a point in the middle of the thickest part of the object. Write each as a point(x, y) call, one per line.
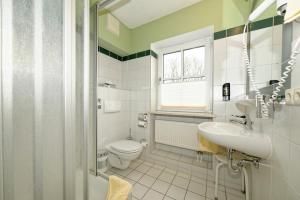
point(119, 189)
point(206, 145)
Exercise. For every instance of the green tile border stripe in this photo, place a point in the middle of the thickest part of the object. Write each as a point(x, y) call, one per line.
point(220, 34)
point(235, 31)
point(265, 23)
point(129, 57)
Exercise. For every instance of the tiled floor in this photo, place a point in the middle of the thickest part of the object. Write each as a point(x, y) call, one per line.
point(169, 158)
point(155, 181)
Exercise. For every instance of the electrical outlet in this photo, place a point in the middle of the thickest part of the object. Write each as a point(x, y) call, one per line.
point(289, 97)
point(297, 96)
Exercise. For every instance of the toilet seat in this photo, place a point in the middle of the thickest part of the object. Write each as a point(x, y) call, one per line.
point(126, 146)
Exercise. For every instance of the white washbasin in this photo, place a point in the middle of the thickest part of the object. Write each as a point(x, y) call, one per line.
point(236, 137)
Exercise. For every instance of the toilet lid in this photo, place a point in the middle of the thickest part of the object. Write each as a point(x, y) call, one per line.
point(126, 146)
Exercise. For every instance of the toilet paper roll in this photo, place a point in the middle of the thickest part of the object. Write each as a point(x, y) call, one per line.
point(142, 124)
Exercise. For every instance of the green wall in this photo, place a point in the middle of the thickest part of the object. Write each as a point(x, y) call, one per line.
point(222, 14)
point(119, 44)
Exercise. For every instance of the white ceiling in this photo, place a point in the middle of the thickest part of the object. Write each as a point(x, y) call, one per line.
point(134, 13)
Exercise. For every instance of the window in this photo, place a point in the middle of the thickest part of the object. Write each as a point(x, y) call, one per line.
point(185, 77)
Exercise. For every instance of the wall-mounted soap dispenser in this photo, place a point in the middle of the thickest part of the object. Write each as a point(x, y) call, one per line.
point(226, 92)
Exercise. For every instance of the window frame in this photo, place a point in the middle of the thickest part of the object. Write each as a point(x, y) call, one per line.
point(207, 43)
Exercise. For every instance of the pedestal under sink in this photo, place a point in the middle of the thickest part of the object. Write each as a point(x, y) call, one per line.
point(237, 137)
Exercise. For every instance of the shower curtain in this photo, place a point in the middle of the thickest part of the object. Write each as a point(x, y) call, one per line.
point(44, 56)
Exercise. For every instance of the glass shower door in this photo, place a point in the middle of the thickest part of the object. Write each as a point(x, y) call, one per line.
point(43, 138)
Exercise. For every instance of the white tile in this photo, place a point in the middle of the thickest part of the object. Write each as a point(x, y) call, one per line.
point(261, 37)
point(132, 182)
point(276, 71)
point(135, 175)
point(294, 167)
point(295, 125)
point(212, 185)
point(184, 168)
point(186, 159)
point(171, 171)
point(277, 35)
point(199, 172)
point(219, 109)
point(199, 180)
point(236, 75)
point(277, 55)
point(184, 175)
point(234, 197)
point(210, 193)
point(234, 51)
point(193, 196)
point(122, 172)
point(282, 122)
point(218, 93)
point(167, 177)
point(220, 61)
point(261, 55)
point(153, 195)
point(134, 165)
point(237, 92)
point(139, 191)
point(148, 163)
point(173, 156)
point(279, 187)
point(197, 188)
point(158, 166)
point(263, 74)
point(161, 186)
point(168, 198)
point(180, 182)
point(143, 168)
point(147, 180)
point(176, 192)
point(280, 155)
point(292, 194)
point(154, 172)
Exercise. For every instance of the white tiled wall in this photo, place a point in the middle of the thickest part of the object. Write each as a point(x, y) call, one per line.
point(136, 78)
point(229, 66)
point(132, 79)
point(109, 69)
point(296, 72)
point(279, 178)
point(285, 162)
point(112, 126)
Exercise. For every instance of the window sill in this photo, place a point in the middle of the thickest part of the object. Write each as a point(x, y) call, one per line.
point(185, 114)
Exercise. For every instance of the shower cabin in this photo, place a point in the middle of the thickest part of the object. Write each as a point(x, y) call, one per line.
point(45, 99)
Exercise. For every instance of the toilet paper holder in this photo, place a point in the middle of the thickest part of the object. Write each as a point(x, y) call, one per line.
point(142, 120)
point(143, 117)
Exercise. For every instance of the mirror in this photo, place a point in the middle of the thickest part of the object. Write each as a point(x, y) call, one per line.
point(269, 50)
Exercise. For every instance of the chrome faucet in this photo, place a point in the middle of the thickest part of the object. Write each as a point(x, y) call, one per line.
point(242, 119)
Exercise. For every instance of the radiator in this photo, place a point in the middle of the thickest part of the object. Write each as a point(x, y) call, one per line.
point(177, 134)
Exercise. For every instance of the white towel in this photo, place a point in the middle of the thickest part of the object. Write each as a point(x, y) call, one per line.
point(292, 10)
point(111, 106)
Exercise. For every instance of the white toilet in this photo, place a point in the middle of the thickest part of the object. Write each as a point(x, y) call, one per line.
point(122, 152)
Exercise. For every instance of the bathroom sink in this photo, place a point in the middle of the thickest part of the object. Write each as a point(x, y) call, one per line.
point(237, 137)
